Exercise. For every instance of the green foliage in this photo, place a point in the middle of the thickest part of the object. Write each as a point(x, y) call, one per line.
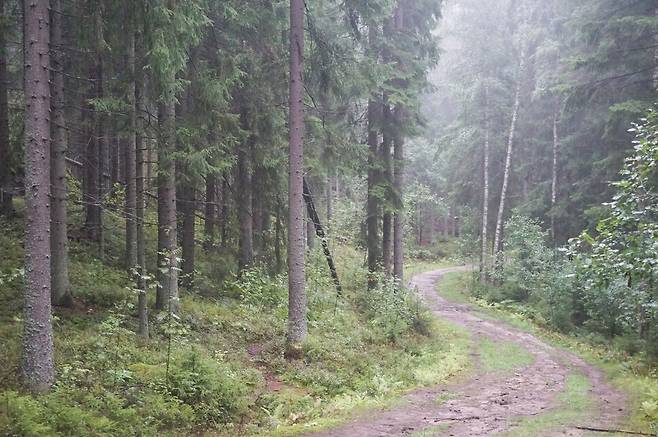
point(618, 266)
point(525, 259)
point(393, 310)
point(256, 289)
point(226, 350)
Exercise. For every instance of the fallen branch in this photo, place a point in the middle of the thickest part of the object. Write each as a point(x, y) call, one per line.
point(613, 431)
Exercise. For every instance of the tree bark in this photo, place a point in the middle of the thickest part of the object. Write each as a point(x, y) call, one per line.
point(142, 297)
point(310, 234)
point(372, 204)
point(94, 151)
point(387, 217)
point(508, 157)
point(210, 209)
point(398, 218)
point(168, 253)
point(244, 199)
point(278, 235)
point(61, 292)
point(37, 366)
point(485, 194)
point(297, 326)
point(130, 160)
point(556, 146)
point(189, 234)
point(6, 189)
point(655, 53)
point(223, 218)
point(330, 202)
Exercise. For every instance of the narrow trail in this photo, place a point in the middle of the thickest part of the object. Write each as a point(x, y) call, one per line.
point(491, 401)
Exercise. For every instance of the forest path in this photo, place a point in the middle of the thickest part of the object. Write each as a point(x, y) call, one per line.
point(496, 401)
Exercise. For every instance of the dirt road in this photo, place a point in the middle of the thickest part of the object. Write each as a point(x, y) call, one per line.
point(491, 402)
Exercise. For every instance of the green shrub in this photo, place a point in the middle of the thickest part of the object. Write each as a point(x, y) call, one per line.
point(255, 288)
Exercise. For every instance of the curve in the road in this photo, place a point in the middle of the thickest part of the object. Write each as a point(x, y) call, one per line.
point(489, 403)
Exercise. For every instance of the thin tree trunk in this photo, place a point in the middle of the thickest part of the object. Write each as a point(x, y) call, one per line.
point(297, 326)
point(387, 218)
point(655, 53)
point(223, 219)
point(131, 160)
point(37, 365)
point(372, 206)
point(398, 218)
point(508, 158)
point(485, 194)
point(556, 145)
point(142, 298)
point(243, 200)
point(150, 157)
point(278, 236)
point(189, 234)
point(168, 253)
point(61, 292)
point(257, 207)
point(330, 202)
point(95, 149)
point(6, 189)
point(210, 209)
point(310, 234)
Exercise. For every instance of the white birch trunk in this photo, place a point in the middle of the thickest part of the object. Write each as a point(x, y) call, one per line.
point(508, 159)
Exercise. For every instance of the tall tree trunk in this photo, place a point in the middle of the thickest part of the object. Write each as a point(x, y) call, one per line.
point(130, 160)
point(257, 207)
point(37, 366)
point(655, 53)
point(210, 209)
point(168, 253)
point(94, 151)
point(243, 200)
point(330, 202)
point(485, 194)
point(508, 158)
point(387, 217)
point(556, 146)
point(278, 236)
point(398, 187)
point(151, 156)
point(189, 234)
point(6, 189)
point(61, 293)
point(310, 234)
point(297, 327)
point(372, 205)
point(142, 298)
point(223, 219)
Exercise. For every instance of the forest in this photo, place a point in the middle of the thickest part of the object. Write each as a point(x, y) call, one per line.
point(328, 218)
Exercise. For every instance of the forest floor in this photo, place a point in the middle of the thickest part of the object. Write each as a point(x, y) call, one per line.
point(522, 385)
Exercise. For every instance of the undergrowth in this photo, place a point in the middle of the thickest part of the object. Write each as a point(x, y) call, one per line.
point(226, 373)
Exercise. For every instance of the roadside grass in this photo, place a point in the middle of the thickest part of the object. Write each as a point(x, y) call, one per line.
point(627, 374)
point(431, 431)
point(414, 267)
point(574, 403)
point(497, 356)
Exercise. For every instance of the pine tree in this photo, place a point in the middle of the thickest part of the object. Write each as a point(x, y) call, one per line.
point(297, 326)
point(37, 365)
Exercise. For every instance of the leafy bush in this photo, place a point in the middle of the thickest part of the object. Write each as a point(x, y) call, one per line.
point(254, 287)
point(393, 310)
